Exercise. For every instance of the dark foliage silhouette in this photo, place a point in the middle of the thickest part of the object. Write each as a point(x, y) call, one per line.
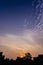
point(28, 56)
point(27, 60)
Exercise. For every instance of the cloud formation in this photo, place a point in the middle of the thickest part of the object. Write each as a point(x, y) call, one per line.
point(28, 41)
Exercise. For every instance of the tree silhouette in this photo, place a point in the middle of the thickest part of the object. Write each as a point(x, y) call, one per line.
point(28, 56)
point(1, 56)
point(27, 60)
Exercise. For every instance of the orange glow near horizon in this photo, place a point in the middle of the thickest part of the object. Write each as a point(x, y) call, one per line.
point(22, 55)
point(13, 46)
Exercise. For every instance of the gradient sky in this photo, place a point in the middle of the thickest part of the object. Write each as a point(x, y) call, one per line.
point(21, 27)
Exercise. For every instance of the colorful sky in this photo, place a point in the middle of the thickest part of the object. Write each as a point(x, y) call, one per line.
point(21, 27)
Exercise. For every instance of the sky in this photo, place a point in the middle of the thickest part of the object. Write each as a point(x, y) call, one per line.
point(21, 27)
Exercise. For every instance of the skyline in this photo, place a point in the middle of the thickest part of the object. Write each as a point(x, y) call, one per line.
point(21, 27)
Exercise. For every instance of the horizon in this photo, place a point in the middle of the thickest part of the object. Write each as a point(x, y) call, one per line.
point(21, 27)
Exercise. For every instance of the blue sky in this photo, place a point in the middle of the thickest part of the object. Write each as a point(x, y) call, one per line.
point(13, 15)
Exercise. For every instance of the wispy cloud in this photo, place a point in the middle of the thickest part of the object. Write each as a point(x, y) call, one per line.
point(28, 41)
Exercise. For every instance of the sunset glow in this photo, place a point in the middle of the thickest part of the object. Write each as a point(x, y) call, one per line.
point(21, 28)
